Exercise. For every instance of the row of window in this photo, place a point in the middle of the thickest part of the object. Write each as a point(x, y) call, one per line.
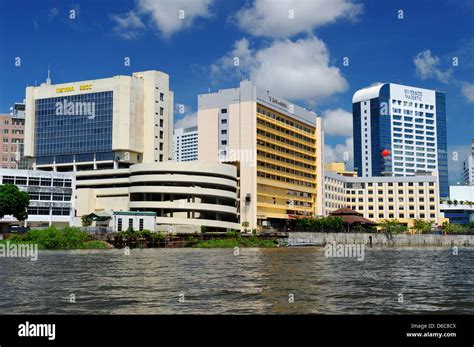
point(37, 181)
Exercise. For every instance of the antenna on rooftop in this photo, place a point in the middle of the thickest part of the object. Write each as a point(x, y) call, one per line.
point(48, 80)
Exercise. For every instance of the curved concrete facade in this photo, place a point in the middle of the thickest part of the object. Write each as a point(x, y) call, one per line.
point(191, 193)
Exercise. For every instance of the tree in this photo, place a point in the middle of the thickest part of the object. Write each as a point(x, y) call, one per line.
point(85, 220)
point(13, 202)
point(422, 226)
point(392, 226)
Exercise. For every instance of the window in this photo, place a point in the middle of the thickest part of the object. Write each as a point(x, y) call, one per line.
point(223, 121)
point(224, 110)
point(161, 122)
point(119, 224)
point(162, 110)
point(223, 131)
point(130, 223)
point(141, 224)
point(162, 97)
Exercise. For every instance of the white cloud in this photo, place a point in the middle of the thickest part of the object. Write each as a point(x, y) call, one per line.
point(340, 153)
point(271, 18)
point(188, 118)
point(427, 67)
point(128, 25)
point(468, 91)
point(297, 70)
point(337, 122)
point(166, 16)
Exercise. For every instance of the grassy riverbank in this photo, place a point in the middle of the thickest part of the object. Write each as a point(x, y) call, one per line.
point(53, 238)
point(236, 242)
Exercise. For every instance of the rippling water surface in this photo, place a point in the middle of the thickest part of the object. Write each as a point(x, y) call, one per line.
point(258, 281)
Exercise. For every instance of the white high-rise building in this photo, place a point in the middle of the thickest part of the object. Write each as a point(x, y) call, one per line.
point(400, 131)
point(185, 144)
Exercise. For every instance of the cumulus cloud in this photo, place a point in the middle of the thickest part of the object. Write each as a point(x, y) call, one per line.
point(298, 70)
point(427, 66)
point(165, 16)
point(128, 25)
point(286, 18)
point(337, 122)
point(340, 152)
point(468, 91)
point(186, 117)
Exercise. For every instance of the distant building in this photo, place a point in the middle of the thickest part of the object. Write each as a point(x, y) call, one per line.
point(99, 124)
point(185, 144)
point(340, 169)
point(468, 168)
point(380, 198)
point(400, 131)
point(51, 197)
point(12, 128)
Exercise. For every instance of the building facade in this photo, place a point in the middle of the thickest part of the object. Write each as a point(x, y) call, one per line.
point(99, 124)
point(276, 146)
point(339, 168)
point(12, 128)
point(400, 131)
point(185, 144)
point(192, 193)
point(380, 198)
point(51, 197)
point(468, 168)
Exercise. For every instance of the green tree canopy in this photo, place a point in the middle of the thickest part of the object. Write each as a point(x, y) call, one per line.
point(13, 202)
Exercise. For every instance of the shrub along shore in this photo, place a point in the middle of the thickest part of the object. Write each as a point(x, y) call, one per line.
point(53, 238)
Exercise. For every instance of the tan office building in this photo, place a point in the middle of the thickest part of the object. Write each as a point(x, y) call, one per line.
point(385, 197)
point(276, 145)
point(99, 124)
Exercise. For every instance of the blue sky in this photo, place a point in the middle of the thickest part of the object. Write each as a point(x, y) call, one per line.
point(300, 58)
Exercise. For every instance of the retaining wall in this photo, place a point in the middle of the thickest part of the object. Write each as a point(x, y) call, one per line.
point(321, 239)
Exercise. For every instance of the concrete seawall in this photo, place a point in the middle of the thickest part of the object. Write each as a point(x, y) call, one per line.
point(321, 239)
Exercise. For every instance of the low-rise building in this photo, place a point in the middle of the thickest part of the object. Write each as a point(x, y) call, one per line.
point(387, 197)
point(340, 169)
point(192, 193)
point(51, 197)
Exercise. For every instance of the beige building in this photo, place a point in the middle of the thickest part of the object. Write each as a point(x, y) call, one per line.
point(276, 146)
point(99, 124)
point(12, 128)
point(340, 169)
point(180, 193)
point(387, 197)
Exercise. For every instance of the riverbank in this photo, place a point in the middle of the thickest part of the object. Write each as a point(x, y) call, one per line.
point(68, 238)
point(377, 239)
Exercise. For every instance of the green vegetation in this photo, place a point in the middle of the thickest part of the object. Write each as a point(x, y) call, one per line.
point(423, 226)
point(393, 226)
point(458, 229)
point(52, 238)
point(236, 242)
point(139, 234)
point(86, 222)
point(13, 202)
point(329, 224)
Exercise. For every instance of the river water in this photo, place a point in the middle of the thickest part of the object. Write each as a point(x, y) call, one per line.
point(257, 281)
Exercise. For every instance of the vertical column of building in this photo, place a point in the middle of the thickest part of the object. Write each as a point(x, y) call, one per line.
point(442, 144)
